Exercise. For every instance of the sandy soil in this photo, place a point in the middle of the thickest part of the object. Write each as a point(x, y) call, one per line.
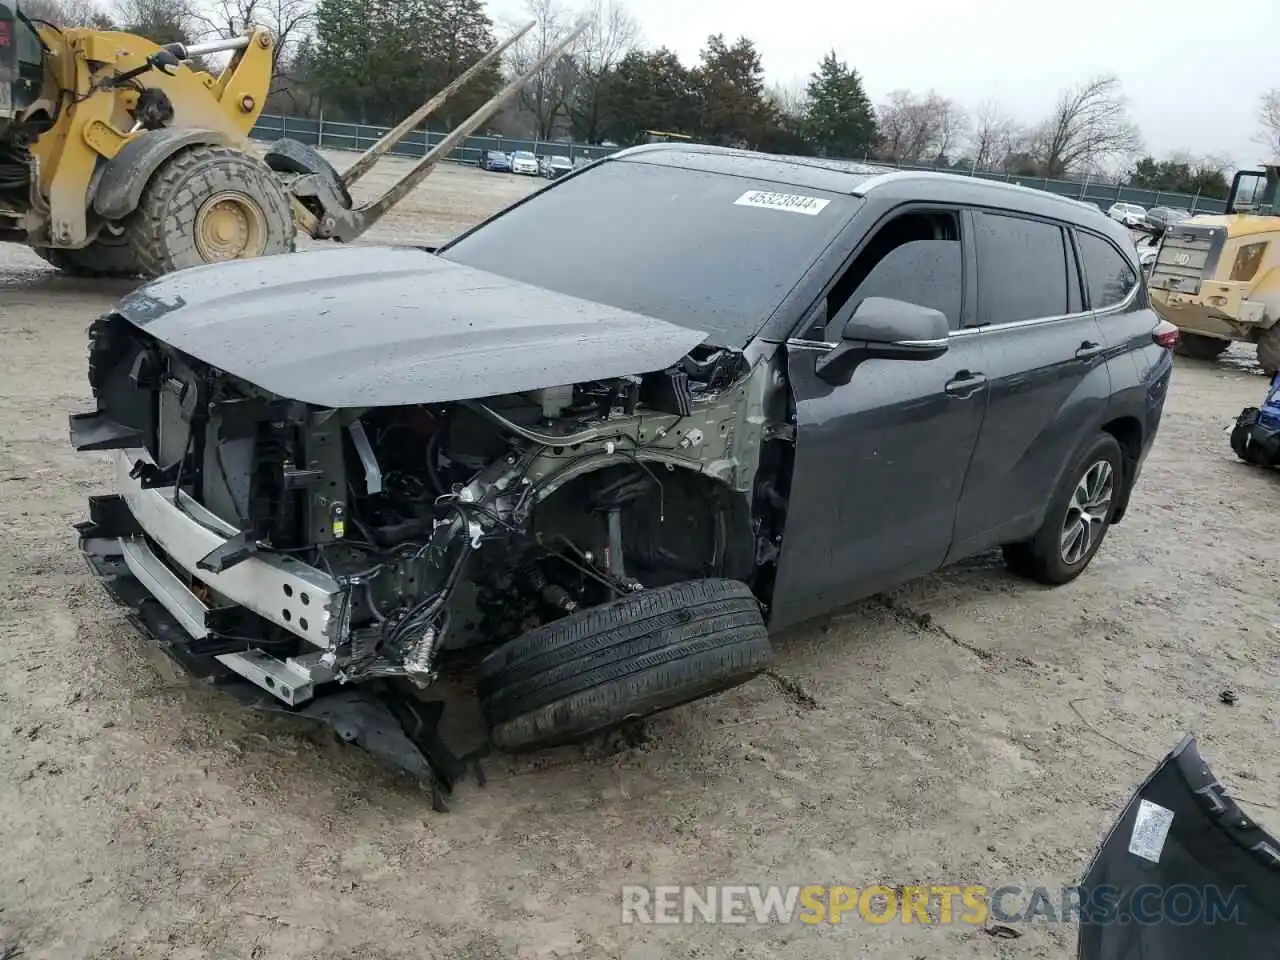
point(968, 728)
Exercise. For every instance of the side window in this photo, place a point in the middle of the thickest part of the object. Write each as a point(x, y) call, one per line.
point(917, 258)
point(1022, 269)
point(1109, 276)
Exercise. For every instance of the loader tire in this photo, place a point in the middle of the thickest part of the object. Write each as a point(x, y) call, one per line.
point(647, 652)
point(1269, 350)
point(208, 204)
point(108, 256)
point(1199, 347)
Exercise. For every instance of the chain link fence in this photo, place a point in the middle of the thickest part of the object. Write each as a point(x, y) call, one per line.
point(360, 136)
point(333, 135)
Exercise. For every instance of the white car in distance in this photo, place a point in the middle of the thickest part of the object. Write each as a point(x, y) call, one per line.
point(522, 161)
point(1130, 214)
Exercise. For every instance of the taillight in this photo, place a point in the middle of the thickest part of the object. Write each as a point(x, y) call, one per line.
point(1165, 335)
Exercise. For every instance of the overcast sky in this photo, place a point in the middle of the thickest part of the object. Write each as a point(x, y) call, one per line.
point(1193, 72)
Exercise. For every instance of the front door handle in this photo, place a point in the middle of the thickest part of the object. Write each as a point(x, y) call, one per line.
point(1088, 350)
point(965, 384)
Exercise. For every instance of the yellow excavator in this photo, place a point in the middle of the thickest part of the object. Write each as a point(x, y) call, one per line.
point(1217, 278)
point(122, 157)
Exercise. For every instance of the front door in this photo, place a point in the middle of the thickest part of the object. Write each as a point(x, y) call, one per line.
point(881, 460)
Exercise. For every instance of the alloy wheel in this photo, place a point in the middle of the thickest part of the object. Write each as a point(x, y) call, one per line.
point(1087, 512)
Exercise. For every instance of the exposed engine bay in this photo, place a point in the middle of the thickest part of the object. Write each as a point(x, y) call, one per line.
point(441, 526)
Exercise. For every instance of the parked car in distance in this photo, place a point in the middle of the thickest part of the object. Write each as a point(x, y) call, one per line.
point(494, 160)
point(525, 163)
point(1130, 214)
point(556, 166)
point(823, 381)
point(1160, 217)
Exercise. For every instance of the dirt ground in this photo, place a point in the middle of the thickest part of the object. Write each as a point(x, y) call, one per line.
point(968, 728)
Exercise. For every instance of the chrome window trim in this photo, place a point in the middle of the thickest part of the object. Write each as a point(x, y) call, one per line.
point(802, 344)
point(1120, 307)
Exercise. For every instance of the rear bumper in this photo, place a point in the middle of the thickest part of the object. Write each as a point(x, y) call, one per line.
point(1218, 309)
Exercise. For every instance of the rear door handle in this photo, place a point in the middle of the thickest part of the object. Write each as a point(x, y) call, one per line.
point(965, 384)
point(1088, 349)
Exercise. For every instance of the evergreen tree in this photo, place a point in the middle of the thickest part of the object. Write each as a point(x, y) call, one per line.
point(378, 60)
point(840, 120)
point(730, 81)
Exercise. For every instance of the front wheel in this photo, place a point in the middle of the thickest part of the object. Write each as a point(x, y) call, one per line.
point(206, 205)
point(1077, 520)
point(650, 651)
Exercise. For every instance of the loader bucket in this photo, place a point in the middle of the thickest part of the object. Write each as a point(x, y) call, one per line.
point(327, 211)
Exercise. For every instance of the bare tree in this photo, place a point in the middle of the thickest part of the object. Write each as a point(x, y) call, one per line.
point(68, 13)
point(611, 33)
point(547, 94)
point(1090, 126)
point(953, 126)
point(790, 99)
point(996, 135)
point(917, 130)
point(288, 20)
point(163, 21)
point(1269, 119)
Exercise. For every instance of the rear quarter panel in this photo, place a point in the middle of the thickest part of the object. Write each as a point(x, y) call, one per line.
point(1140, 374)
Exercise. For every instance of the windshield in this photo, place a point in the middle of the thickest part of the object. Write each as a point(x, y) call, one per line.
point(523, 155)
point(708, 251)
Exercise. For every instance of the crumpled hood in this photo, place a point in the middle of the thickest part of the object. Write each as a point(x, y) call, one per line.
point(366, 326)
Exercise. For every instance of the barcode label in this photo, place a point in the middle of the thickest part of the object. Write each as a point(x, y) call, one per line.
point(1150, 830)
point(790, 202)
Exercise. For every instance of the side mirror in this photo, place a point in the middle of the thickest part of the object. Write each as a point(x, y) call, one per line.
point(884, 329)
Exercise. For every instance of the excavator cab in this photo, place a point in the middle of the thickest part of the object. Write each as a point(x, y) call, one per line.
point(1254, 191)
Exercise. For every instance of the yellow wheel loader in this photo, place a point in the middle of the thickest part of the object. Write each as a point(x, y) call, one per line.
point(1217, 278)
point(121, 157)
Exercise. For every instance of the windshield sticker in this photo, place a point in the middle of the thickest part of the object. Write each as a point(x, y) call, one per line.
point(791, 202)
point(1150, 829)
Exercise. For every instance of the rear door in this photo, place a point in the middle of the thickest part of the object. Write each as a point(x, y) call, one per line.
point(1048, 380)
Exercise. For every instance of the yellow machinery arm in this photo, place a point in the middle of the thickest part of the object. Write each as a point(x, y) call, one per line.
point(322, 203)
point(92, 110)
point(140, 164)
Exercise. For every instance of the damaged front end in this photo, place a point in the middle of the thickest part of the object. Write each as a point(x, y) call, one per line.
point(332, 561)
point(1184, 874)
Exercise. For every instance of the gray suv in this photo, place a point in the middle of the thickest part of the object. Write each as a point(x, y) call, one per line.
point(594, 475)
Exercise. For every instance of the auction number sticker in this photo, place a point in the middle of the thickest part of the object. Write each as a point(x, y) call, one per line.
point(1150, 830)
point(791, 202)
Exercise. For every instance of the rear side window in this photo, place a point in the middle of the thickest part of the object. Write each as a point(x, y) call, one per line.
point(1108, 275)
point(1022, 269)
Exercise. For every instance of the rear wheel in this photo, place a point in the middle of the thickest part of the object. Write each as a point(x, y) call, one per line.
point(1199, 347)
point(1078, 519)
point(206, 205)
point(646, 652)
point(1269, 350)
